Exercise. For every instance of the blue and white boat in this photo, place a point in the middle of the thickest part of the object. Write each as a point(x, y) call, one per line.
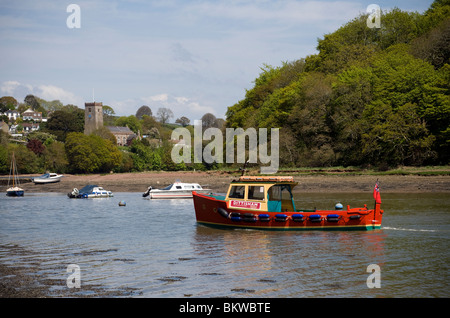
point(90, 191)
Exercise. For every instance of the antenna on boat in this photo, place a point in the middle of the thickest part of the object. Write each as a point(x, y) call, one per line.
point(243, 169)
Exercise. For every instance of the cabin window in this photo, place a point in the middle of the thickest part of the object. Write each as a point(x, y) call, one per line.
point(237, 192)
point(179, 187)
point(280, 198)
point(275, 193)
point(256, 193)
point(280, 192)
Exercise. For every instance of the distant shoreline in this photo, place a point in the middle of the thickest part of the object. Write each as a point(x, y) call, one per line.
point(218, 181)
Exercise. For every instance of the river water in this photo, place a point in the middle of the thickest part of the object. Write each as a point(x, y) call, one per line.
point(156, 249)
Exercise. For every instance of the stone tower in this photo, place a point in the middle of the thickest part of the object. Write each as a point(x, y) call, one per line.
point(93, 117)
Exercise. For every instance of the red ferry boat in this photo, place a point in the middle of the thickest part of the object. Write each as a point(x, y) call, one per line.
point(267, 203)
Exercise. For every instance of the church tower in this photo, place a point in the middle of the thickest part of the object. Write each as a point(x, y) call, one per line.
point(93, 117)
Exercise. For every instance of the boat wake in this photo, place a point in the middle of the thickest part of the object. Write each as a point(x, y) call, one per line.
point(403, 229)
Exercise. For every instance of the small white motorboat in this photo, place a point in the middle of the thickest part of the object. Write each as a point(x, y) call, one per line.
point(177, 190)
point(47, 178)
point(90, 191)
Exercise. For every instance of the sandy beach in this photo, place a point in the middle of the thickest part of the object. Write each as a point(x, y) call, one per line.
point(219, 181)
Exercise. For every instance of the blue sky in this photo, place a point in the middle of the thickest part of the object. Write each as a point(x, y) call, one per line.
point(193, 57)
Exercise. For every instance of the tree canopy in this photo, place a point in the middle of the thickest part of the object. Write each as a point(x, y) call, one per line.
point(369, 97)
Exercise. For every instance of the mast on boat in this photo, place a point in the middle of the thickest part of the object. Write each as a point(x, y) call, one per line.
point(12, 169)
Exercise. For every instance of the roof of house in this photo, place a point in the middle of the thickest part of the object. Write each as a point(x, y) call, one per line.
point(33, 112)
point(119, 129)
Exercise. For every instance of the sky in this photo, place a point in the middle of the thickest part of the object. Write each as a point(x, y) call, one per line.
point(194, 57)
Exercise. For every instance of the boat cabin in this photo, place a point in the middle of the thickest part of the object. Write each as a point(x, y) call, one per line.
point(183, 186)
point(272, 194)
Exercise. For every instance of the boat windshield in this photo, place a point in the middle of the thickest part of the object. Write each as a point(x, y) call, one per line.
point(280, 198)
point(237, 192)
point(168, 187)
point(88, 188)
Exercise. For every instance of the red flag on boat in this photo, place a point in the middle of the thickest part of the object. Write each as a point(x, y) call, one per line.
point(376, 194)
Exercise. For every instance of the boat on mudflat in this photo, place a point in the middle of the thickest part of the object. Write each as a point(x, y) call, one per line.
point(177, 190)
point(47, 178)
point(15, 190)
point(90, 191)
point(267, 203)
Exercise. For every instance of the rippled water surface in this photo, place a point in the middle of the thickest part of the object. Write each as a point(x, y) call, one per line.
point(156, 248)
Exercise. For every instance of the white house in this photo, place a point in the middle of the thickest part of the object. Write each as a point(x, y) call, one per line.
point(12, 114)
point(29, 127)
point(33, 115)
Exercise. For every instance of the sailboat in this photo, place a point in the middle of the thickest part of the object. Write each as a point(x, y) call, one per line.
point(15, 190)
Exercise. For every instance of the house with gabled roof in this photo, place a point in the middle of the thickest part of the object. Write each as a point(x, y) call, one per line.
point(124, 135)
point(33, 115)
point(12, 114)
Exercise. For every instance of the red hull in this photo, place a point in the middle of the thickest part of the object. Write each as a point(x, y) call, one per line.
point(214, 212)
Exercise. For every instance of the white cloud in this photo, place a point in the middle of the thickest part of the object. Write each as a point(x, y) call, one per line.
point(179, 105)
point(9, 87)
point(279, 12)
point(48, 92)
point(155, 98)
point(51, 92)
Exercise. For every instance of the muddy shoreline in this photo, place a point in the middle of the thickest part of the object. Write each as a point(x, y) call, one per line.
point(25, 280)
point(219, 181)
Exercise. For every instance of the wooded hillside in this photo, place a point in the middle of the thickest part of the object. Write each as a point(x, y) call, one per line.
point(371, 96)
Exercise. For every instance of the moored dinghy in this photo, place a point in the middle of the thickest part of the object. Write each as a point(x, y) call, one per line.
point(267, 203)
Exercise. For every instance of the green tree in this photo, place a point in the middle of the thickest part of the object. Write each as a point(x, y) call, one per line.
point(4, 168)
point(395, 137)
point(352, 92)
point(142, 156)
point(108, 115)
point(143, 110)
point(87, 154)
point(150, 126)
point(65, 121)
point(164, 114)
point(26, 160)
point(32, 101)
point(54, 156)
point(7, 102)
point(183, 121)
point(131, 121)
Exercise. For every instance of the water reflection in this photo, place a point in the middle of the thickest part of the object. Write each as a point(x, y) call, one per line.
point(157, 248)
point(290, 264)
